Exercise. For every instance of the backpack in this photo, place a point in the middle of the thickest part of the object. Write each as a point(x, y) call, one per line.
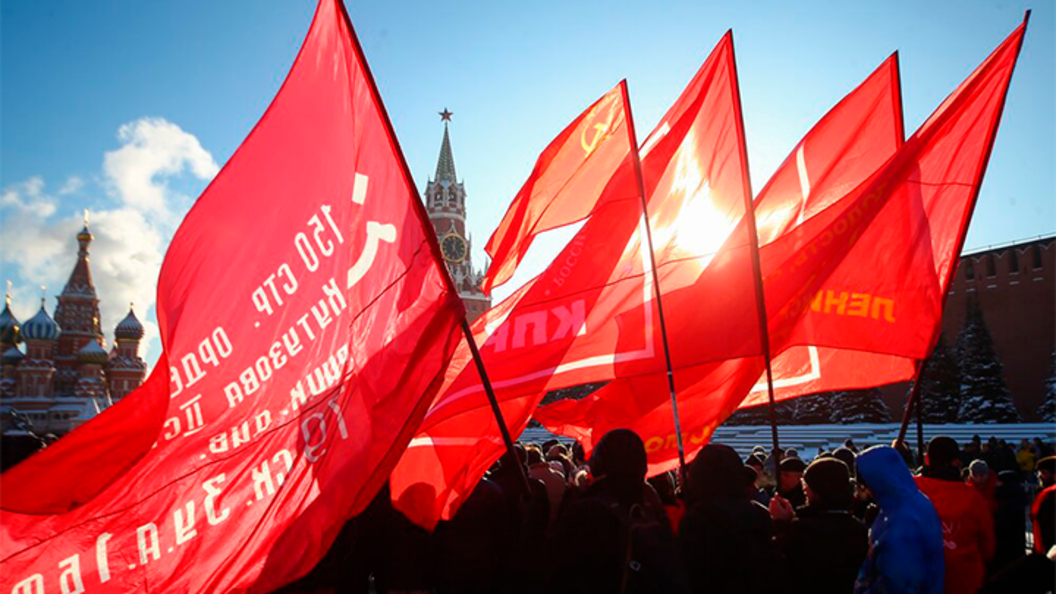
point(652, 559)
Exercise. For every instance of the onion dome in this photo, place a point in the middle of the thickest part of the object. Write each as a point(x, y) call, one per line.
point(93, 354)
point(85, 235)
point(40, 326)
point(129, 328)
point(12, 356)
point(9, 325)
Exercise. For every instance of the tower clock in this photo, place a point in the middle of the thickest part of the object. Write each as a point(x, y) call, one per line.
point(445, 201)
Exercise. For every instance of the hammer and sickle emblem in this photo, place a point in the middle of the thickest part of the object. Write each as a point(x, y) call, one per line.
point(600, 131)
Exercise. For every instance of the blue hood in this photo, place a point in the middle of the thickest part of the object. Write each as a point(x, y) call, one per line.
point(885, 473)
point(906, 544)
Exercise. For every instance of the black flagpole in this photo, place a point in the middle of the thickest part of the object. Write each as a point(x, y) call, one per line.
point(434, 248)
point(964, 228)
point(633, 138)
point(760, 300)
point(913, 406)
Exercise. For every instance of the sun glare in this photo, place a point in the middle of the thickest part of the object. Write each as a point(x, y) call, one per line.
point(698, 229)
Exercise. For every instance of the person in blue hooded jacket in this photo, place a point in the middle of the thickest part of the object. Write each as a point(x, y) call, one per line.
point(905, 542)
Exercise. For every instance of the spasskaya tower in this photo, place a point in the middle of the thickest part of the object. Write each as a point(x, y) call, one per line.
point(445, 201)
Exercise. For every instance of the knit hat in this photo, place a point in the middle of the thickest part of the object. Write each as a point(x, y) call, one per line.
point(943, 451)
point(792, 465)
point(979, 468)
point(757, 460)
point(845, 455)
point(830, 481)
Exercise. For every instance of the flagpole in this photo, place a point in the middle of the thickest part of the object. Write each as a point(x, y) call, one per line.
point(920, 428)
point(964, 227)
point(760, 300)
point(633, 138)
point(434, 249)
point(912, 405)
point(506, 439)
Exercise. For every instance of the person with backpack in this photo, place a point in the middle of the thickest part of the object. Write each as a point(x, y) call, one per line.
point(726, 538)
point(615, 536)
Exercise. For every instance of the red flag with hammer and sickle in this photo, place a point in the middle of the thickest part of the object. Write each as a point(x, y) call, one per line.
point(566, 185)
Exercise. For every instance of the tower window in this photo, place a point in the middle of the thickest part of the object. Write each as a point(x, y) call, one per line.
point(1013, 261)
point(991, 266)
point(969, 269)
point(1037, 256)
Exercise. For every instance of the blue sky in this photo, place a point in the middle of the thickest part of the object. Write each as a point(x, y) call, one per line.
point(129, 108)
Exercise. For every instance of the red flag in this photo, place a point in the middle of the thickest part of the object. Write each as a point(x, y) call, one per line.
point(591, 315)
point(855, 138)
point(566, 184)
point(307, 321)
point(868, 273)
point(842, 150)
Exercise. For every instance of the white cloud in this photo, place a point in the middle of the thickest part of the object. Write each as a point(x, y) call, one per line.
point(152, 150)
point(72, 186)
point(38, 229)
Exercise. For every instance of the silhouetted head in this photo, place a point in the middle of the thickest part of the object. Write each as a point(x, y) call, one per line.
point(845, 455)
point(620, 458)
point(828, 484)
point(943, 453)
point(791, 473)
point(716, 472)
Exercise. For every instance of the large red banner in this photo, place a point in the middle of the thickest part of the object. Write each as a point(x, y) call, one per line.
point(859, 285)
point(306, 322)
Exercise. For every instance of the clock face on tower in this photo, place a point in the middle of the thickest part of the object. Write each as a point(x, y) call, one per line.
point(453, 247)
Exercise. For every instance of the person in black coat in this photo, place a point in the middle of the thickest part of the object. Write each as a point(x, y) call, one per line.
point(615, 538)
point(471, 547)
point(528, 514)
point(725, 537)
point(822, 543)
point(1008, 520)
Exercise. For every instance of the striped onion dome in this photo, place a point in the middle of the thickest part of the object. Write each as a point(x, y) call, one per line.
point(130, 327)
point(40, 326)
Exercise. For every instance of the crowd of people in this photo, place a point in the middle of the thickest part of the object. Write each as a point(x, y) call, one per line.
point(848, 521)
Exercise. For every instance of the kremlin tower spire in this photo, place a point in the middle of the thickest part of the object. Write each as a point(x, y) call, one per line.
point(445, 165)
point(445, 201)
